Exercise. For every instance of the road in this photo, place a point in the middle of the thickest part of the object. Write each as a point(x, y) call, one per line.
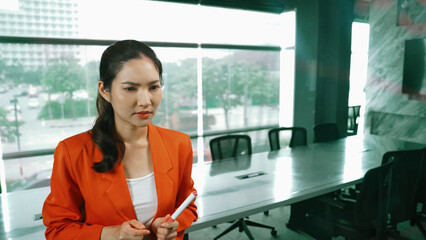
point(36, 134)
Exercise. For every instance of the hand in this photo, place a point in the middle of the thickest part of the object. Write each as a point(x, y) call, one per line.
point(164, 230)
point(129, 230)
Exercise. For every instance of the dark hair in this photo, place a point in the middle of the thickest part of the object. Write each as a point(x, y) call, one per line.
point(104, 132)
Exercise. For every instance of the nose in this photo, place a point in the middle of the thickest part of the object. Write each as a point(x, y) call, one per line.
point(144, 98)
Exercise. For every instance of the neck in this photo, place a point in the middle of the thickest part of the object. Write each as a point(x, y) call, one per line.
point(133, 135)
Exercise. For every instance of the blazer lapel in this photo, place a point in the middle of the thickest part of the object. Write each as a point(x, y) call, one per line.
point(115, 187)
point(162, 163)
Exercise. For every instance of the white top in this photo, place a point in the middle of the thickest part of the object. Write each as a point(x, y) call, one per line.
point(144, 197)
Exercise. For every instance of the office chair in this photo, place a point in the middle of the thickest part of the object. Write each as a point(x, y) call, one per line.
point(387, 196)
point(298, 137)
point(326, 132)
point(231, 146)
point(364, 218)
point(406, 174)
point(353, 115)
point(421, 198)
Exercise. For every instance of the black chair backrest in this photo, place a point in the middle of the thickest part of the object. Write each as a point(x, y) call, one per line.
point(298, 137)
point(326, 132)
point(230, 146)
point(406, 170)
point(353, 111)
point(421, 188)
point(369, 209)
point(353, 114)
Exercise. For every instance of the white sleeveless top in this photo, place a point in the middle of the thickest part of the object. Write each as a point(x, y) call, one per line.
point(144, 197)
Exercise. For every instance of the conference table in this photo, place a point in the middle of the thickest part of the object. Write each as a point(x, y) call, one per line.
point(230, 189)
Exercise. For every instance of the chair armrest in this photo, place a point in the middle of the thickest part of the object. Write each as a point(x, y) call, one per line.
point(347, 198)
point(352, 192)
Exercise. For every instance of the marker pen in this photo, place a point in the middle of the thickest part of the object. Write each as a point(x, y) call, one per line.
point(252, 175)
point(182, 207)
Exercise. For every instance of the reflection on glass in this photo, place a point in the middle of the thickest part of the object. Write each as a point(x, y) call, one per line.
point(27, 173)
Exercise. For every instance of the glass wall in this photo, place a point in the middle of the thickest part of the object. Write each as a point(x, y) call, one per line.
point(220, 73)
point(358, 71)
point(241, 90)
point(50, 94)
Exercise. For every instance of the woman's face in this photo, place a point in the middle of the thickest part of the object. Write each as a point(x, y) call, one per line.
point(135, 93)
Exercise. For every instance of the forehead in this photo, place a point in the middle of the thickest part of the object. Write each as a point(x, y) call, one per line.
point(138, 69)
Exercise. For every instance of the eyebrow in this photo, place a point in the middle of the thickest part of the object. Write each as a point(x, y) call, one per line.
point(137, 84)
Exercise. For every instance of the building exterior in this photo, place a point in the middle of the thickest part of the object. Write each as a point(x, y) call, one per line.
point(39, 18)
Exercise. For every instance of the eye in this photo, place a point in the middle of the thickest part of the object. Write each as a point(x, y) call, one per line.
point(155, 87)
point(129, 89)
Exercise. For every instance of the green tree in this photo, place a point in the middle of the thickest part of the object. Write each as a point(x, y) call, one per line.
point(91, 75)
point(15, 72)
point(32, 76)
point(3, 68)
point(91, 70)
point(223, 84)
point(67, 111)
point(180, 92)
point(8, 130)
point(235, 81)
point(63, 75)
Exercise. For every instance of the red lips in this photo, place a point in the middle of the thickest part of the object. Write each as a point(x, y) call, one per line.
point(143, 114)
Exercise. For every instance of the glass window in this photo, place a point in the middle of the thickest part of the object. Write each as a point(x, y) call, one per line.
point(146, 21)
point(48, 90)
point(49, 94)
point(240, 89)
point(358, 70)
point(178, 109)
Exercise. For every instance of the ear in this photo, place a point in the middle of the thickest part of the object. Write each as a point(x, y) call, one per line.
point(103, 92)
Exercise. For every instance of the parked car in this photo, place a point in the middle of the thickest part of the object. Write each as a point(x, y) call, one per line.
point(10, 116)
point(33, 103)
point(20, 92)
point(3, 90)
point(32, 91)
point(11, 108)
point(80, 94)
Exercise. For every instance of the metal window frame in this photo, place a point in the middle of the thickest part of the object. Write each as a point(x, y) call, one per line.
point(105, 42)
point(44, 152)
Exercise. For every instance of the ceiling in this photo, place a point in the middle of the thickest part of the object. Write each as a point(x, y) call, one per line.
point(271, 6)
point(361, 7)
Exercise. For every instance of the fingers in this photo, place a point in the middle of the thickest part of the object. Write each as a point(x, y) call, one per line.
point(134, 228)
point(136, 224)
point(166, 236)
point(167, 230)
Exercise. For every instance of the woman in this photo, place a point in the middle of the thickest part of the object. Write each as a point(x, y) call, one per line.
point(124, 178)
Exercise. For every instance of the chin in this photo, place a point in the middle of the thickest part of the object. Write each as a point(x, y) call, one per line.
point(143, 122)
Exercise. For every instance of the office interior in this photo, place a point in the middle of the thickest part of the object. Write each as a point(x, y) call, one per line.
point(319, 56)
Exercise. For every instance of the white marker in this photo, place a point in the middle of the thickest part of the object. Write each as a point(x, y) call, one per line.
point(182, 207)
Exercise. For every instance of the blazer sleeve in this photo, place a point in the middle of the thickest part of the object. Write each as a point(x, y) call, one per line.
point(189, 215)
point(63, 209)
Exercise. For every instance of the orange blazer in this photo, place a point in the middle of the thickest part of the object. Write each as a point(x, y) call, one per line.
point(83, 201)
